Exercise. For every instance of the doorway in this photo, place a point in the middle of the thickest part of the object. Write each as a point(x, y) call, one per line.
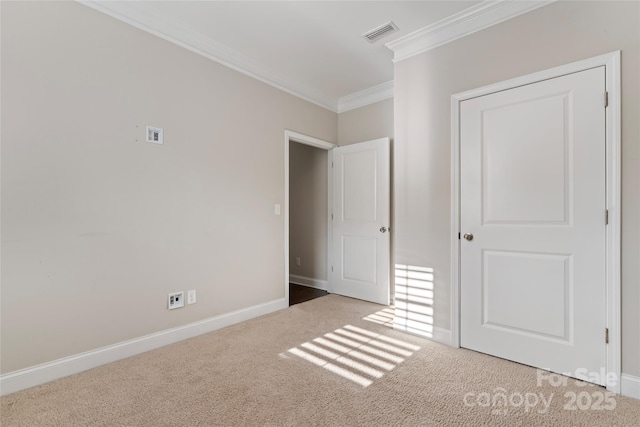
point(357, 262)
point(308, 228)
point(307, 216)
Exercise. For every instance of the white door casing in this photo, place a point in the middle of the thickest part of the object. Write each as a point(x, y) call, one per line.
point(361, 221)
point(611, 63)
point(532, 194)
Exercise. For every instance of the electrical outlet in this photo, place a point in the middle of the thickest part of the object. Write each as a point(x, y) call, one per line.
point(298, 262)
point(176, 300)
point(191, 296)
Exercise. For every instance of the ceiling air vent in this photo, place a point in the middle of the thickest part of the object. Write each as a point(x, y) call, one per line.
point(380, 31)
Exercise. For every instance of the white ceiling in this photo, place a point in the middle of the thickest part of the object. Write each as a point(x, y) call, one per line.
point(316, 43)
point(313, 49)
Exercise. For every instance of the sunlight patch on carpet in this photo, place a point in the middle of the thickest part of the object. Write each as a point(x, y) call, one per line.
point(382, 317)
point(345, 373)
point(354, 353)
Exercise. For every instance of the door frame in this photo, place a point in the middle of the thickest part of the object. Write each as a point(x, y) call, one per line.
point(611, 62)
point(291, 136)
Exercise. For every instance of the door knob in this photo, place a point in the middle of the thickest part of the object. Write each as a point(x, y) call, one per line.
point(468, 236)
point(383, 229)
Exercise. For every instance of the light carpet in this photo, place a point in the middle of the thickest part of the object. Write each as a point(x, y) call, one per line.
point(333, 361)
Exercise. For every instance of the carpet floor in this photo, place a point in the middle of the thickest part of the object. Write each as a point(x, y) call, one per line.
point(332, 361)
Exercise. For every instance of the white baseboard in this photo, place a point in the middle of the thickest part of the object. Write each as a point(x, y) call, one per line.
point(443, 336)
point(40, 374)
point(630, 386)
point(308, 281)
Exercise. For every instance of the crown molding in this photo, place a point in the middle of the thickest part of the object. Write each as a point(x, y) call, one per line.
point(366, 97)
point(461, 24)
point(146, 18)
point(485, 14)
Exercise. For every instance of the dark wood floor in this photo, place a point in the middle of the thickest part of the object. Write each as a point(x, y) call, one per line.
point(298, 294)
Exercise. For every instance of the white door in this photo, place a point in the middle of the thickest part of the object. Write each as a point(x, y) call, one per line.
point(361, 219)
point(532, 190)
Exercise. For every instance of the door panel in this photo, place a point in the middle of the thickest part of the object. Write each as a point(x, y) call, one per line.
point(511, 300)
point(533, 197)
point(359, 186)
point(361, 206)
point(363, 250)
point(525, 195)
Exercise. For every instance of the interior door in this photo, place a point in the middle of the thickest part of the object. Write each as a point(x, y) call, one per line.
point(533, 204)
point(360, 221)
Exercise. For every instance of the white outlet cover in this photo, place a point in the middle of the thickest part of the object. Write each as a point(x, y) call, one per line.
point(155, 135)
point(191, 296)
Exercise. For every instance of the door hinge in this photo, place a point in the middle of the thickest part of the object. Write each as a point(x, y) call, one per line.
point(606, 217)
point(606, 335)
point(332, 268)
point(606, 99)
point(331, 165)
point(331, 217)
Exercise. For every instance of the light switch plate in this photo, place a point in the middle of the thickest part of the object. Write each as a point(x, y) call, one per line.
point(191, 296)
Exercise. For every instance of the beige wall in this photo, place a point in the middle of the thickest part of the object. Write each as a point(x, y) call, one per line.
point(98, 226)
point(372, 121)
point(308, 211)
point(553, 35)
